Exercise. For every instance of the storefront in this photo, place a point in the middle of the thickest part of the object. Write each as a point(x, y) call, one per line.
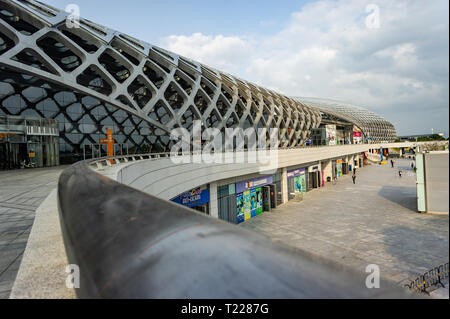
point(197, 199)
point(226, 203)
point(314, 177)
point(296, 182)
point(253, 197)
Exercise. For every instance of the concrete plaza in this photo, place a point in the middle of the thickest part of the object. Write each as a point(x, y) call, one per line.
point(21, 192)
point(372, 222)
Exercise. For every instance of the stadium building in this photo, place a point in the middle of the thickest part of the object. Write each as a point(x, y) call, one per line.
point(62, 85)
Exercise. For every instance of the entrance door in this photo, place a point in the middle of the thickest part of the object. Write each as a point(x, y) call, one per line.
point(273, 196)
point(266, 199)
point(228, 209)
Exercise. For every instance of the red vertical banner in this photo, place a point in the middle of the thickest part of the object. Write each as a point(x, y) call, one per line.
point(110, 142)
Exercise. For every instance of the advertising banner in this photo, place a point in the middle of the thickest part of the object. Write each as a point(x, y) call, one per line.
point(255, 183)
point(195, 197)
point(357, 137)
point(299, 176)
point(331, 134)
point(240, 208)
point(247, 206)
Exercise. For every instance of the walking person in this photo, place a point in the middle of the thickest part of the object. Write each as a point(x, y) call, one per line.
point(354, 179)
point(399, 173)
point(412, 165)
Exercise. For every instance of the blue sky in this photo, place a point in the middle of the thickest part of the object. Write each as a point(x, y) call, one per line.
point(154, 19)
point(397, 67)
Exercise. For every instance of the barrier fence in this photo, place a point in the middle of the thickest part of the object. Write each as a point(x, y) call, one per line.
point(430, 279)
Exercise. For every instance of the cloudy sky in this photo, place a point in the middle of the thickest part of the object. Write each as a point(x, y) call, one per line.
point(391, 57)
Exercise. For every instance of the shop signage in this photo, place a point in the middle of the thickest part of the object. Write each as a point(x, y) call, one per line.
point(339, 161)
point(193, 198)
point(296, 172)
point(258, 182)
point(313, 169)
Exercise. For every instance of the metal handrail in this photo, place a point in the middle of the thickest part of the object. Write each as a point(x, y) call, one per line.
point(129, 244)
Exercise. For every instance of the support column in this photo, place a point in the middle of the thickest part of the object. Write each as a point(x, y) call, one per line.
point(327, 167)
point(284, 186)
point(213, 204)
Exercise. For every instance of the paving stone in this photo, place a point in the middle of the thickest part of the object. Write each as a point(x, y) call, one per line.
point(21, 192)
point(374, 221)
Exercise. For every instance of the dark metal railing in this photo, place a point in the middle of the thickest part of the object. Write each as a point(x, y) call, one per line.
point(128, 244)
point(430, 280)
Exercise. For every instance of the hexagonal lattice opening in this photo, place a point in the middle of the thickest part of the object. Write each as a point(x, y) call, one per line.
point(18, 23)
point(92, 79)
point(160, 113)
point(208, 87)
point(114, 67)
point(139, 92)
point(188, 118)
point(174, 97)
point(184, 82)
point(213, 119)
point(58, 52)
point(5, 43)
point(222, 105)
point(153, 74)
point(31, 58)
point(83, 39)
point(201, 102)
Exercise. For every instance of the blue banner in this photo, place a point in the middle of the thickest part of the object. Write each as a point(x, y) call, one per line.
point(193, 198)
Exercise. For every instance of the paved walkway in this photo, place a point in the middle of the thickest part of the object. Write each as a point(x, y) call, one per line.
point(372, 222)
point(21, 192)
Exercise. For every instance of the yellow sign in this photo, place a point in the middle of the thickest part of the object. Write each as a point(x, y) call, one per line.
point(32, 154)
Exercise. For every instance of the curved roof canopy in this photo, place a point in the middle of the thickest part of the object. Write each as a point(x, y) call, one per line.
point(371, 124)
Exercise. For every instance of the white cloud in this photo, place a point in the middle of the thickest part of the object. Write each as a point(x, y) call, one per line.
point(399, 70)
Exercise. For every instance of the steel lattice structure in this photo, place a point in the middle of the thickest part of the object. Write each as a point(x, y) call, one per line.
point(371, 125)
point(91, 77)
point(102, 72)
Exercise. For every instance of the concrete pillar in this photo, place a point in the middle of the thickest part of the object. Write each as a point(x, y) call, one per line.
point(213, 204)
point(284, 186)
point(327, 170)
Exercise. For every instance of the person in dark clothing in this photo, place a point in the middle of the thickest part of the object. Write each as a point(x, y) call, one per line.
point(354, 179)
point(412, 165)
point(399, 173)
point(354, 171)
